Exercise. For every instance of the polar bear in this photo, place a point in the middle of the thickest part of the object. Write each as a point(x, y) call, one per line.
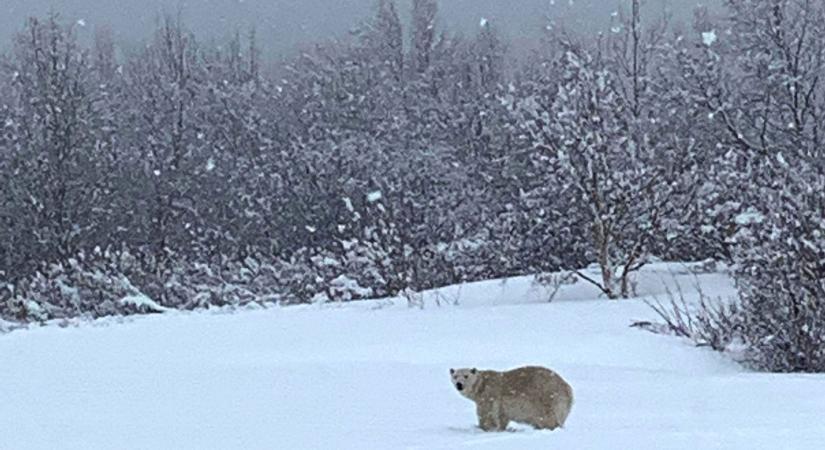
point(531, 395)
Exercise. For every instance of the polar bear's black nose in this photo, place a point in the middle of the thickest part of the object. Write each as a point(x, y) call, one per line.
point(459, 386)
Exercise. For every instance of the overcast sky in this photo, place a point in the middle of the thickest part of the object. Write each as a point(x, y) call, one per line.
point(282, 24)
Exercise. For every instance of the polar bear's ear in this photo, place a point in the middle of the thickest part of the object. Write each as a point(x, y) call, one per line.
point(473, 371)
point(452, 371)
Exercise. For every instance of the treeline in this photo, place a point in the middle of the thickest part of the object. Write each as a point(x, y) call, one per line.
point(405, 157)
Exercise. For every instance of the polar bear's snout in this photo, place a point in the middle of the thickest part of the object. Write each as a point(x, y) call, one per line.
point(464, 380)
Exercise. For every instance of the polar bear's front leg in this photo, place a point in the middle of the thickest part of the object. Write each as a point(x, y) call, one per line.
point(491, 417)
point(503, 420)
point(486, 418)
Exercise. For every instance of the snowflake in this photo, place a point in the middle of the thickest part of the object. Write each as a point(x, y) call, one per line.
point(709, 37)
point(373, 197)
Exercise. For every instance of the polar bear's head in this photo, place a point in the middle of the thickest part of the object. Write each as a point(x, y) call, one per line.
point(464, 380)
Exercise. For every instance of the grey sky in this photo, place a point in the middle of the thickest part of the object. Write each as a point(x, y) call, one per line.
point(282, 24)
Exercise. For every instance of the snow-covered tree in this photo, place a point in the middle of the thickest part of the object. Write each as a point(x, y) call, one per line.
point(490, 52)
point(423, 39)
point(770, 121)
point(755, 101)
point(624, 187)
point(163, 84)
point(53, 182)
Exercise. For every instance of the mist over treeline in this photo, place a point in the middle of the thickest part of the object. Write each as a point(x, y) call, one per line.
point(406, 155)
point(284, 25)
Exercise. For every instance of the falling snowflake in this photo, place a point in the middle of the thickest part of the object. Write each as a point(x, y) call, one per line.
point(709, 37)
point(483, 23)
point(348, 204)
point(749, 217)
point(373, 197)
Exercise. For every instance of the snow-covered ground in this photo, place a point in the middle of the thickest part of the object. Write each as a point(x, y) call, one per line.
point(374, 375)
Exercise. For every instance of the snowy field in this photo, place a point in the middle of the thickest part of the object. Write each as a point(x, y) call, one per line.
point(374, 375)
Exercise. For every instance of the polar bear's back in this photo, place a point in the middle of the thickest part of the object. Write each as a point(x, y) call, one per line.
point(536, 395)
